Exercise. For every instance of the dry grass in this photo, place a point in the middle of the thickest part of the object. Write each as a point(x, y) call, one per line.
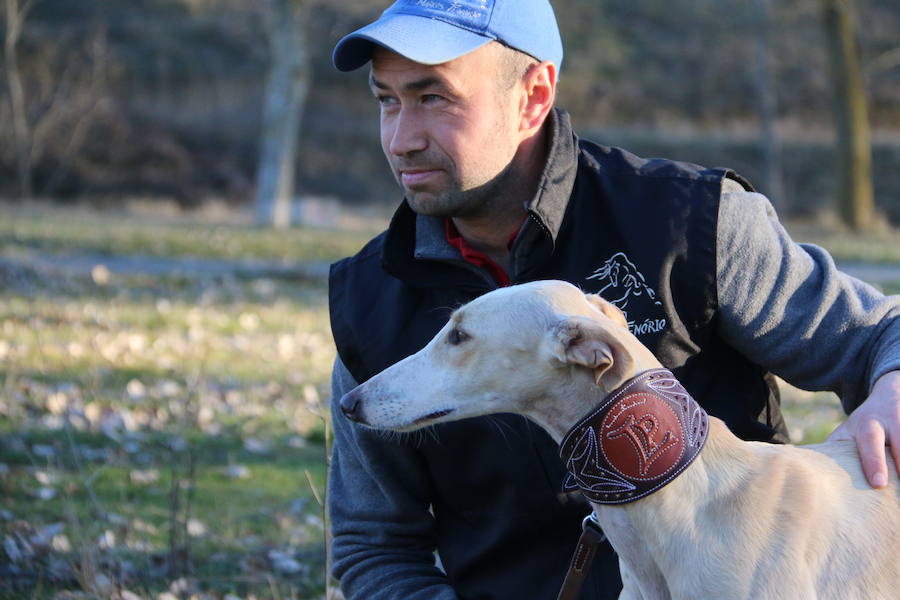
point(163, 434)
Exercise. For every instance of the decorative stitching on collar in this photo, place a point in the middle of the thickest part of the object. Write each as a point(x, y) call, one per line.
point(642, 436)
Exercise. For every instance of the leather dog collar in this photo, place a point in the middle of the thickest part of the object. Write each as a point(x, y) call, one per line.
point(636, 441)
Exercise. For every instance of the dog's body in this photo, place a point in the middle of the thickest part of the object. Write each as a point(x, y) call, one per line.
point(744, 520)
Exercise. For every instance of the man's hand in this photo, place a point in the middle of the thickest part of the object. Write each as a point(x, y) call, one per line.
point(873, 424)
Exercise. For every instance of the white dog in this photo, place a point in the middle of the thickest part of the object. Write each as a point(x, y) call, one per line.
point(742, 520)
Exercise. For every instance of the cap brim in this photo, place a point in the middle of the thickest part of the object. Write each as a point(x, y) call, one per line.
point(420, 39)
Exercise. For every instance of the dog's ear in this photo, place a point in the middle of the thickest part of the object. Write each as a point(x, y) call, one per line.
point(607, 308)
point(584, 341)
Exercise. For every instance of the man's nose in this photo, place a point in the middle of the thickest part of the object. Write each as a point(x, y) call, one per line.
point(408, 134)
point(351, 406)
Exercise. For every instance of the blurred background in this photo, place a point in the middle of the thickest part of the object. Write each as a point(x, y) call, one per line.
point(167, 99)
point(176, 176)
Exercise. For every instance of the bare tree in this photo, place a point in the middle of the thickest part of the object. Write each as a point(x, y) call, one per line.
point(285, 96)
point(15, 18)
point(56, 96)
point(854, 153)
point(767, 102)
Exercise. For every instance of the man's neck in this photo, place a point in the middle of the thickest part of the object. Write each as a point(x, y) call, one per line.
point(491, 235)
point(490, 232)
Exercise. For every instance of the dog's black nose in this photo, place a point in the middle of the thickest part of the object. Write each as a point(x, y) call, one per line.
point(350, 406)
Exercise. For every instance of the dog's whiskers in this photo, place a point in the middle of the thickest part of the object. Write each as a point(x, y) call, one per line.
point(501, 427)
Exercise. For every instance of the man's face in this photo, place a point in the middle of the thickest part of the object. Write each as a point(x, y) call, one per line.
point(449, 131)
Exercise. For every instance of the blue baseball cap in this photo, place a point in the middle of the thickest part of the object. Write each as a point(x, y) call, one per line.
point(432, 32)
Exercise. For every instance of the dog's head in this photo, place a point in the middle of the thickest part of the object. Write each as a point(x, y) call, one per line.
point(503, 352)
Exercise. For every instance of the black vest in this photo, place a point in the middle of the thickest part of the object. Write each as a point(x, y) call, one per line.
point(642, 233)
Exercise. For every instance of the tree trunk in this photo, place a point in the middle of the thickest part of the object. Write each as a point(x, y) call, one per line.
point(284, 99)
point(15, 17)
point(767, 101)
point(856, 200)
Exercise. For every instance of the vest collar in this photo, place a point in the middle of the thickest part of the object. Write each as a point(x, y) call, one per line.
point(642, 436)
point(412, 238)
point(548, 206)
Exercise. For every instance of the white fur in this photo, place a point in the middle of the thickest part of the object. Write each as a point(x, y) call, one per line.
point(745, 520)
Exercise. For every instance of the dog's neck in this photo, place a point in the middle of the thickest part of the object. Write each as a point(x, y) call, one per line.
point(556, 416)
point(635, 528)
point(569, 403)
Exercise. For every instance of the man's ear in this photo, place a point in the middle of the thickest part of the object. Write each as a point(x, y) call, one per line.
point(583, 341)
point(540, 93)
point(608, 308)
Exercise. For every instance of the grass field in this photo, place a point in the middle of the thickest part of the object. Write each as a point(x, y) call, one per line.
point(163, 435)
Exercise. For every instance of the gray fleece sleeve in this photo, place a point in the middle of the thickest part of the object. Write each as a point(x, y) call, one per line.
point(378, 501)
point(786, 306)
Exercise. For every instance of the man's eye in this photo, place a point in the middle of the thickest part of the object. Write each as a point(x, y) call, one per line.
point(457, 336)
point(385, 100)
point(431, 98)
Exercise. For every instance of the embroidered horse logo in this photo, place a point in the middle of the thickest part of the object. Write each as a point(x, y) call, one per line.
point(623, 281)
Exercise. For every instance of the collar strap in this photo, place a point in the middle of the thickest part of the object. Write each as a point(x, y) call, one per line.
point(636, 441)
point(579, 567)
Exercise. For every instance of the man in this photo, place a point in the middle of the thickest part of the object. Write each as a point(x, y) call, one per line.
point(498, 190)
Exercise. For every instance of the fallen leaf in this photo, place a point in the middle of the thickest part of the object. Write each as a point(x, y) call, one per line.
point(46, 477)
point(297, 441)
point(144, 476)
point(256, 446)
point(44, 537)
point(100, 274)
point(57, 403)
point(249, 321)
point(196, 528)
point(61, 544)
point(136, 389)
point(237, 472)
point(107, 539)
point(45, 493)
point(286, 564)
point(43, 450)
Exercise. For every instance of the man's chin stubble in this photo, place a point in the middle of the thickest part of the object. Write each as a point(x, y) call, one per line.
point(472, 203)
point(431, 206)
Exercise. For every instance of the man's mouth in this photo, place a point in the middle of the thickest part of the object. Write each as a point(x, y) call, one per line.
point(414, 177)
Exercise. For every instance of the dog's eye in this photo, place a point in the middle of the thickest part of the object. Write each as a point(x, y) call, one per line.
point(457, 336)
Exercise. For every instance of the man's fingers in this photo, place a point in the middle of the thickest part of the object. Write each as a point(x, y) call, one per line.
point(893, 442)
point(870, 443)
point(894, 447)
